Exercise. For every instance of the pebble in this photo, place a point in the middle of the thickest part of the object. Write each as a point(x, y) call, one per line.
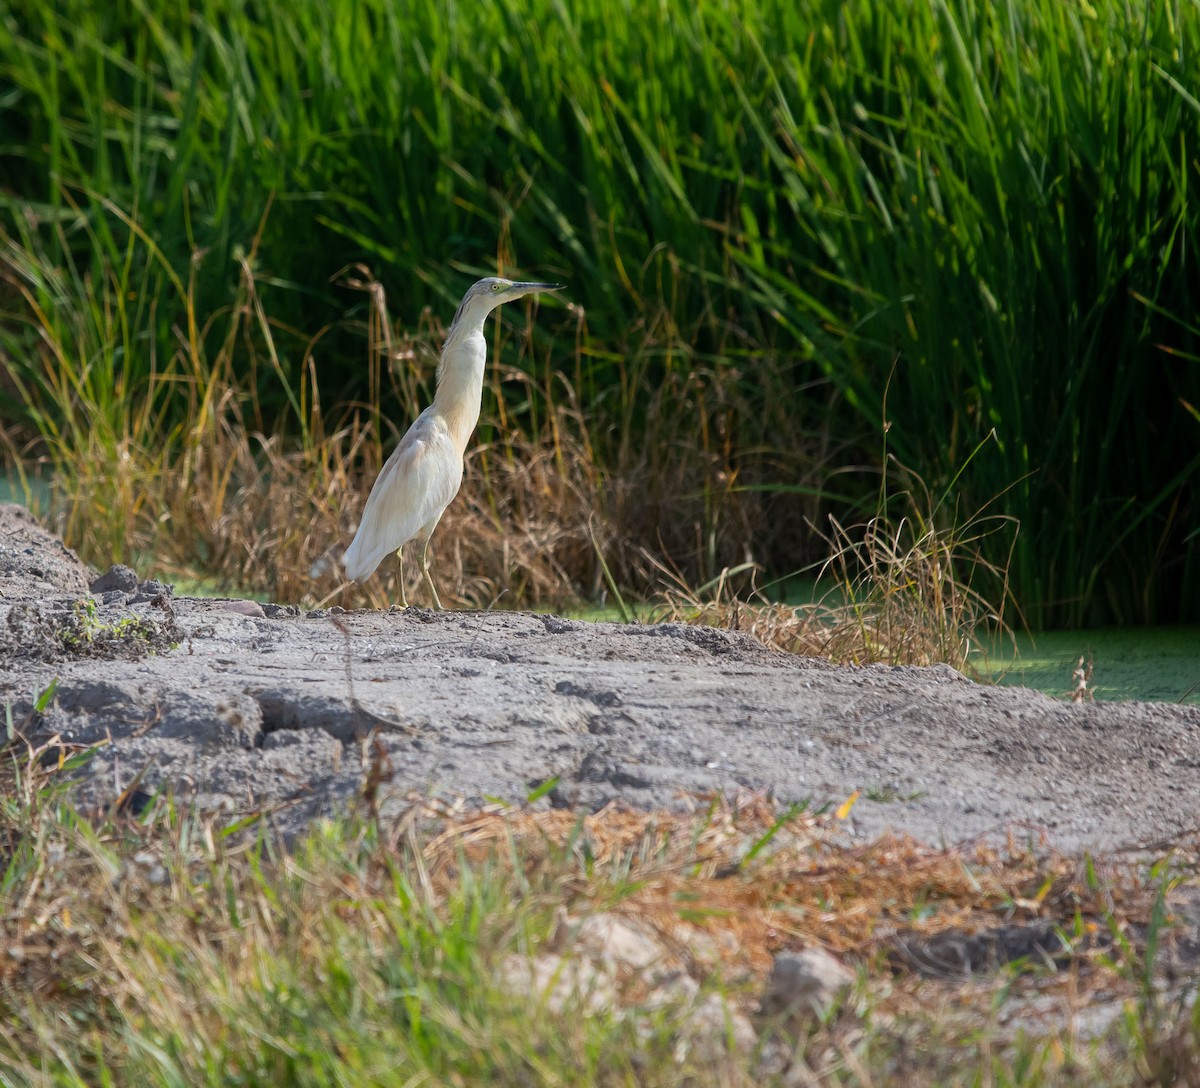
point(804, 985)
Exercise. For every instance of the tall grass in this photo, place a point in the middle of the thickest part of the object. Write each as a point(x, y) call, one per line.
point(761, 209)
point(1006, 221)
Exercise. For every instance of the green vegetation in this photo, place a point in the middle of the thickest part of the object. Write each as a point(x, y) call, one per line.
point(784, 225)
point(84, 632)
point(163, 948)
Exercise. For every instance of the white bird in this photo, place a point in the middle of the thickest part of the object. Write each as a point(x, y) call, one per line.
point(424, 473)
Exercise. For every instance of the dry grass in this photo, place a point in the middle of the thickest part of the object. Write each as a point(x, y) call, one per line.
point(904, 592)
point(179, 476)
point(761, 879)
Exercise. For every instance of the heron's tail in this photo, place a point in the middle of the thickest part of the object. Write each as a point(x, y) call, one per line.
point(360, 563)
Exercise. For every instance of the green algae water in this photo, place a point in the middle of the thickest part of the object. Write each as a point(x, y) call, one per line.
point(1158, 664)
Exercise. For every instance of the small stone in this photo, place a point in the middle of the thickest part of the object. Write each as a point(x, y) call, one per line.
point(612, 941)
point(707, 947)
point(243, 608)
point(677, 990)
point(559, 981)
point(148, 591)
point(804, 985)
point(280, 611)
point(713, 1031)
point(118, 578)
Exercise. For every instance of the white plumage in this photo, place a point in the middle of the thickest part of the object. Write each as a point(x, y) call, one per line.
point(424, 473)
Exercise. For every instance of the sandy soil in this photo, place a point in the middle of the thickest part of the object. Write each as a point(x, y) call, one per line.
point(241, 706)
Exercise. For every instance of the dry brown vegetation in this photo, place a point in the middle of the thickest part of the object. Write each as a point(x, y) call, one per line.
point(900, 591)
point(209, 493)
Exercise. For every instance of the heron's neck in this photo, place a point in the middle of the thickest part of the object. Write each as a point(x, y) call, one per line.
point(460, 381)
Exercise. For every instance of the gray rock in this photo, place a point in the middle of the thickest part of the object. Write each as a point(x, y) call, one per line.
point(242, 607)
point(955, 952)
point(618, 944)
point(31, 557)
point(715, 1030)
point(148, 591)
point(118, 579)
point(469, 705)
point(804, 986)
point(559, 982)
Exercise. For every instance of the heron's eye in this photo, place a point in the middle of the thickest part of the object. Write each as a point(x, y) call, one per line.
point(495, 287)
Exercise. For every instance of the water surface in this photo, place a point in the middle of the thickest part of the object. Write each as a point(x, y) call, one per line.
point(1160, 664)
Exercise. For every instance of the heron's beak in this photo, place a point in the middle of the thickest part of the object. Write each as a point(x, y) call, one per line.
point(529, 288)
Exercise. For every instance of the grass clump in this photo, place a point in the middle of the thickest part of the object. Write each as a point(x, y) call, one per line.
point(901, 590)
point(224, 494)
point(86, 634)
point(161, 951)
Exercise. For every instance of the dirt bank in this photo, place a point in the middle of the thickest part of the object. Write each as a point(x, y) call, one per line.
point(243, 706)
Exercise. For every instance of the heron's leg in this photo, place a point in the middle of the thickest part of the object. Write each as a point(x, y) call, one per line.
point(403, 591)
point(425, 571)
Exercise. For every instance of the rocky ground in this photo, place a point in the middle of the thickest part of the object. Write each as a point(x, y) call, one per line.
point(245, 706)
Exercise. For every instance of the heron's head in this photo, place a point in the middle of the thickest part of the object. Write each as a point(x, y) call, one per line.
point(485, 295)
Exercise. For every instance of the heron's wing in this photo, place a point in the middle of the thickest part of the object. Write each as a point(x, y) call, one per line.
point(416, 484)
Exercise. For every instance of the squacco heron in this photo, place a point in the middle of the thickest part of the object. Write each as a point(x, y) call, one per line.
point(424, 473)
